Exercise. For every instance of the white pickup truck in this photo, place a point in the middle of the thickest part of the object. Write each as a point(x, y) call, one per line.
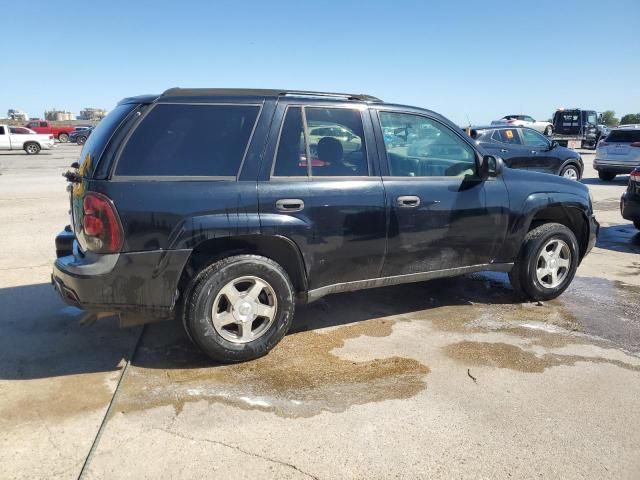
point(21, 138)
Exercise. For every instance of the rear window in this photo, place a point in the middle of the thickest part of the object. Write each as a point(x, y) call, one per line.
point(189, 140)
point(95, 144)
point(623, 136)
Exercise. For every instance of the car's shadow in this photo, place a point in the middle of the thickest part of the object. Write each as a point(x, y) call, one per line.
point(620, 238)
point(41, 337)
point(620, 180)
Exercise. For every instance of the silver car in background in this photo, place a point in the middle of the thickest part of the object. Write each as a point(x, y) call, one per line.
point(618, 153)
point(546, 128)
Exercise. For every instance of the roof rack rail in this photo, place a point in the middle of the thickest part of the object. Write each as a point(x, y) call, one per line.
point(349, 96)
point(190, 92)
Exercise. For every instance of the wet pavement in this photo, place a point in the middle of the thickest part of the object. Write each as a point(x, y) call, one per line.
point(441, 379)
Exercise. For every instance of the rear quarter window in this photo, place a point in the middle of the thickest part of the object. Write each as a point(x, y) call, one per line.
point(189, 140)
point(100, 135)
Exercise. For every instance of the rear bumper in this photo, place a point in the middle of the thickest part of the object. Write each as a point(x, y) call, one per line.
point(630, 207)
point(613, 166)
point(139, 282)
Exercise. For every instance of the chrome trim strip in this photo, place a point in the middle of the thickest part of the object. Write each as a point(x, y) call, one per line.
point(315, 294)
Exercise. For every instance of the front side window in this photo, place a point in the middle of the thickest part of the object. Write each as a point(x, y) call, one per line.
point(508, 135)
point(533, 139)
point(529, 119)
point(591, 118)
point(335, 143)
point(189, 140)
point(43, 124)
point(420, 147)
point(1, 130)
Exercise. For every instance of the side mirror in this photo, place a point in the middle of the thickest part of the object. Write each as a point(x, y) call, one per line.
point(492, 166)
point(553, 145)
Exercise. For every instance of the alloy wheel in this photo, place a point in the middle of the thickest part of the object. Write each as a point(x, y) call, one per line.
point(244, 309)
point(554, 262)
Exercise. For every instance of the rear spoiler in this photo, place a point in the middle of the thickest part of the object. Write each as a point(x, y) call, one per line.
point(140, 99)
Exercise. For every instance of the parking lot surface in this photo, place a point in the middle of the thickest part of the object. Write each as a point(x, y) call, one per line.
point(449, 378)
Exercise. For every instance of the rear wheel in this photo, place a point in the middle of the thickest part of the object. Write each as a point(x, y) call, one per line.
point(571, 172)
point(547, 262)
point(32, 148)
point(239, 308)
point(63, 138)
point(548, 131)
point(606, 176)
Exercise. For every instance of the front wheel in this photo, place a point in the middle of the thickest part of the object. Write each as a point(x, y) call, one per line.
point(81, 140)
point(548, 131)
point(606, 176)
point(239, 308)
point(63, 138)
point(547, 262)
point(636, 223)
point(32, 148)
point(571, 172)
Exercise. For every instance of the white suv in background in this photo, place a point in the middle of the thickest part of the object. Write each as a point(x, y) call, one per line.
point(525, 121)
point(618, 153)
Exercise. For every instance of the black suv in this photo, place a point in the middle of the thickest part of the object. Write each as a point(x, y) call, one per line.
point(226, 207)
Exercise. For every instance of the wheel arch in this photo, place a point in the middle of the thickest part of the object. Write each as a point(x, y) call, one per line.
point(278, 248)
point(28, 142)
point(571, 217)
point(573, 162)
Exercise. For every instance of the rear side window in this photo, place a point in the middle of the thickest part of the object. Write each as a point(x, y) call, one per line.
point(624, 136)
point(508, 135)
point(333, 139)
point(189, 140)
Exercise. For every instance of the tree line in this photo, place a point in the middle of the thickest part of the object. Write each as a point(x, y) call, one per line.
point(609, 118)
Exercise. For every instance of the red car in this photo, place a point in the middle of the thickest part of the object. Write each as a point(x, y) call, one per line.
point(61, 132)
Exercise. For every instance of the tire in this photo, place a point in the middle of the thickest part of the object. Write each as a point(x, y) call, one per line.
point(636, 223)
point(548, 131)
point(32, 148)
point(606, 176)
point(81, 140)
point(235, 277)
point(571, 172)
point(63, 138)
point(525, 276)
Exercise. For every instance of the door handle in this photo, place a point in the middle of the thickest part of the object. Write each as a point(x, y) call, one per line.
point(290, 205)
point(503, 150)
point(408, 201)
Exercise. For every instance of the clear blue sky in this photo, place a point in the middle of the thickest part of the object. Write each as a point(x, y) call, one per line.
point(476, 59)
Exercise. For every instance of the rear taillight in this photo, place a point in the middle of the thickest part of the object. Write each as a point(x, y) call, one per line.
point(635, 176)
point(635, 144)
point(101, 224)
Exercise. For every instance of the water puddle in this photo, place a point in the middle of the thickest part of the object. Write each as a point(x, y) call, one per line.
point(299, 378)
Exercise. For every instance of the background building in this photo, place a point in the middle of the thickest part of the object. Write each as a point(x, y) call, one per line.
point(92, 114)
point(58, 115)
point(17, 115)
